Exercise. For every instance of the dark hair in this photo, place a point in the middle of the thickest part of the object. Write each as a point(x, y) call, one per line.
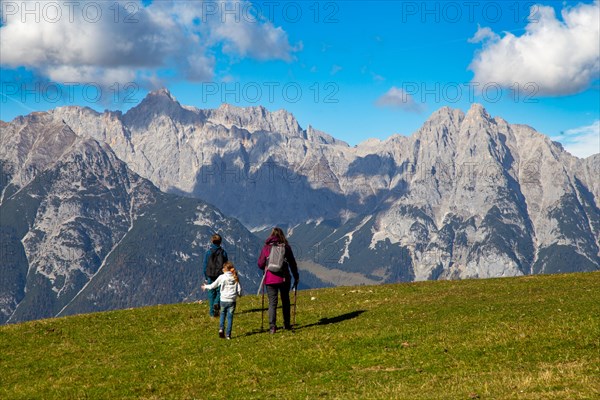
point(216, 239)
point(278, 233)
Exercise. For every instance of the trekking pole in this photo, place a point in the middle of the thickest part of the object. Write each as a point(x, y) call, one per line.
point(262, 311)
point(262, 308)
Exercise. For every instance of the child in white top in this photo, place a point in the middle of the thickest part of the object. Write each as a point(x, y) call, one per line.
point(229, 284)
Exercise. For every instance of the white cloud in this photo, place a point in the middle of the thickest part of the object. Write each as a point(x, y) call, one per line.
point(163, 36)
point(398, 98)
point(483, 34)
point(89, 74)
point(102, 51)
point(581, 142)
point(259, 41)
point(560, 57)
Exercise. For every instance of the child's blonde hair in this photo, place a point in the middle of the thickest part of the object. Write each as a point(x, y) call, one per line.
point(228, 266)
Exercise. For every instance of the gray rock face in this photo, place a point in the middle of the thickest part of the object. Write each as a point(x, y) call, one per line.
point(81, 232)
point(492, 194)
point(252, 152)
point(467, 195)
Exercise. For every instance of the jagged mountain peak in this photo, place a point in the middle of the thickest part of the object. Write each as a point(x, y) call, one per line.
point(445, 116)
point(59, 111)
point(448, 113)
point(478, 113)
point(94, 158)
point(162, 92)
point(32, 118)
point(477, 108)
point(256, 118)
point(160, 97)
point(232, 113)
point(33, 142)
point(233, 108)
point(158, 103)
point(318, 136)
point(441, 127)
point(477, 124)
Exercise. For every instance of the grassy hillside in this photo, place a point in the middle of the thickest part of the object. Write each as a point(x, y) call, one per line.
point(520, 338)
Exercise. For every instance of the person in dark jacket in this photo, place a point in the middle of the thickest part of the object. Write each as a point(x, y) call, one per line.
point(279, 283)
point(214, 259)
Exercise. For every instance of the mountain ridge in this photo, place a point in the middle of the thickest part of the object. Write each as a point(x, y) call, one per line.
point(466, 195)
point(85, 233)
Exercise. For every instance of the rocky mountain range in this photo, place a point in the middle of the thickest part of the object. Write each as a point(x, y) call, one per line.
point(466, 196)
point(81, 232)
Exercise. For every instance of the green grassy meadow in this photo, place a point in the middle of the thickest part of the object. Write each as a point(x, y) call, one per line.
point(535, 337)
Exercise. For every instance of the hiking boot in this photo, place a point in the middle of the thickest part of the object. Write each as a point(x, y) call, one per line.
point(222, 334)
point(273, 330)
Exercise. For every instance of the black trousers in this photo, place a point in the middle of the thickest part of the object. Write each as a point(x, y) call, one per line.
point(272, 291)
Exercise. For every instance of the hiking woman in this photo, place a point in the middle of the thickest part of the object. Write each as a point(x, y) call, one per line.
point(278, 282)
point(230, 288)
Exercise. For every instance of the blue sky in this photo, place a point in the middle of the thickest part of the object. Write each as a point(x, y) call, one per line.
point(353, 69)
